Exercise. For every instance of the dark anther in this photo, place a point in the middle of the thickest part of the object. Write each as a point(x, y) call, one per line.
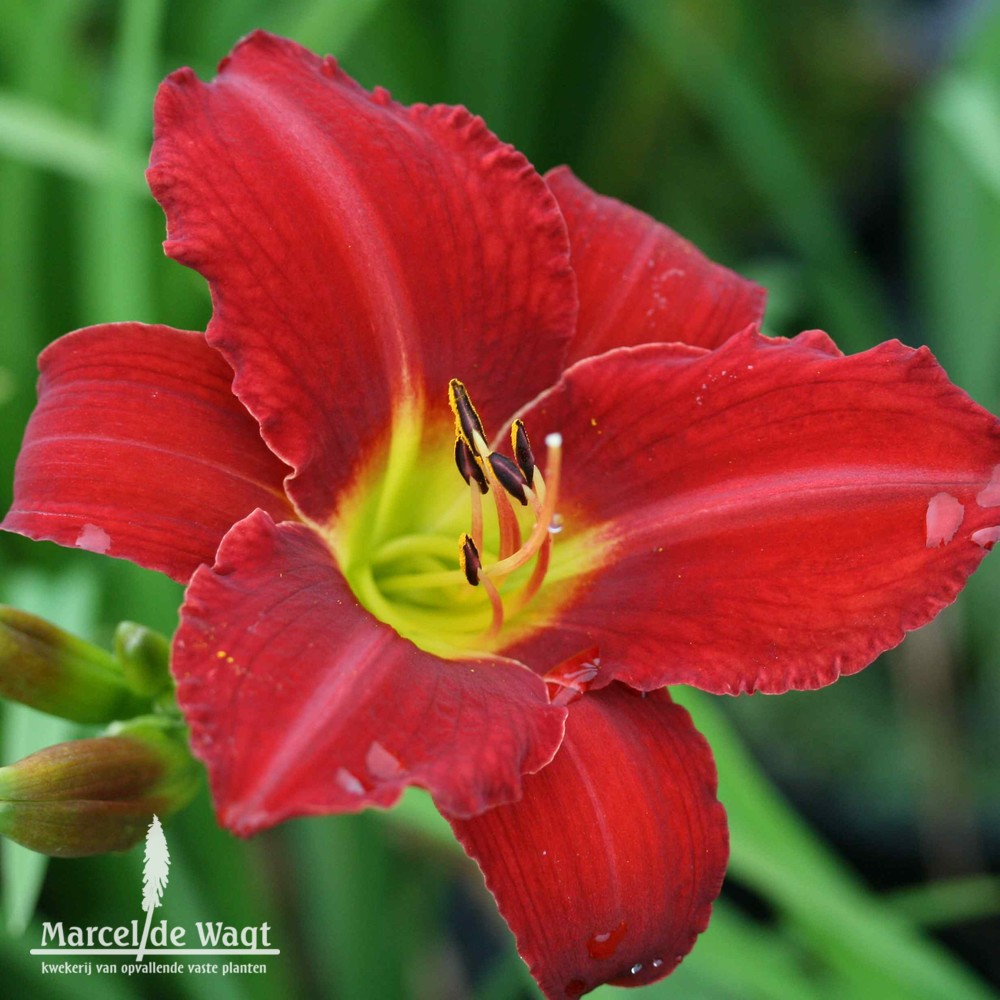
point(468, 557)
point(509, 477)
point(468, 424)
point(522, 451)
point(468, 466)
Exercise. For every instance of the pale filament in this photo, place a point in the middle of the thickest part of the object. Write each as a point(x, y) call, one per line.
point(496, 602)
point(540, 531)
point(510, 530)
point(476, 530)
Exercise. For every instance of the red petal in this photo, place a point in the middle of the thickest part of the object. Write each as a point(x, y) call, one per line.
point(639, 282)
point(774, 511)
point(300, 702)
point(611, 860)
point(359, 252)
point(139, 449)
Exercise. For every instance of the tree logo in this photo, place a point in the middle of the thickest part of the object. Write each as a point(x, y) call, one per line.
point(158, 938)
point(155, 871)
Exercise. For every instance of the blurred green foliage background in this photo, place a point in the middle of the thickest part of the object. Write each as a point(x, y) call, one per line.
point(846, 153)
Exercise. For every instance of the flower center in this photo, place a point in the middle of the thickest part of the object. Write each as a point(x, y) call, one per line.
point(460, 570)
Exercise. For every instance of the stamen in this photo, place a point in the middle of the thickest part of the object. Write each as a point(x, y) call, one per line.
point(496, 603)
point(510, 530)
point(472, 566)
point(476, 499)
point(536, 495)
point(509, 476)
point(522, 451)
point(468, 465)
point(518, 478)
point(468, 559)
point(470, 431)
point(467, 423)
point(540, 531)
point(534, 584)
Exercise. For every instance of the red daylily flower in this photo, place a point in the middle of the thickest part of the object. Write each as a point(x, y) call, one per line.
point(713, 507)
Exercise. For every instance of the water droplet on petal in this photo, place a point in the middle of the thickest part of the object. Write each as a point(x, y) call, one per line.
point(605, 944)
point(944, 516)
point(636, 969)
point(349, 782)
point(573, 677)
point(989, 496)
point(986, 537)
point(381, 763)
point(658, 962)
point(556, 524)
point(93, 539)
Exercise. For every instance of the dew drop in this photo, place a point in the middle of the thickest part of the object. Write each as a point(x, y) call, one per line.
point(986, 537)
point(381, 763)
point(93, 539)
point(636, 969)
point(989, 496)
point(605, 944)
point(657, 963)
point(573, 677)
point(349, 782)
point(944, 516)
point(556, 524)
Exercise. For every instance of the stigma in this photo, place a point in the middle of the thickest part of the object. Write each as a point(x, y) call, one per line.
point(504, 479)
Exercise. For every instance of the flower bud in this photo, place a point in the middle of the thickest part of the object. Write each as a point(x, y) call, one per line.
point(144, 656)
point(96, 795)
point(55, 672)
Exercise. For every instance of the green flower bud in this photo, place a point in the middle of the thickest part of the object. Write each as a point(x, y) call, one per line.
point(145, 659)
point(97, 795)
point(57, 673)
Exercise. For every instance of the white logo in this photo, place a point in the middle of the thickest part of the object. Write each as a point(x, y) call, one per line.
point(214, 937)
point(155, 872)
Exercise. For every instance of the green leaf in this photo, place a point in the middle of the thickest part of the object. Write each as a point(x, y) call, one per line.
point(750, 125)
point(43, 138)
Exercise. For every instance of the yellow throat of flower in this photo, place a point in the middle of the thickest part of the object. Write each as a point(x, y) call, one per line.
point(460, 569)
